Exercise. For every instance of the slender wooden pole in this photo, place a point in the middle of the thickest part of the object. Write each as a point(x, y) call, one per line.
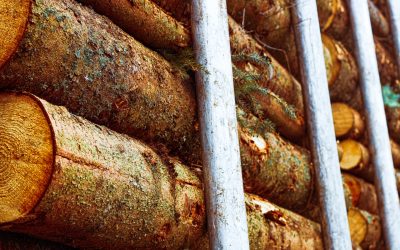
point(216, 101)
point(320, 123)
point(376, 122)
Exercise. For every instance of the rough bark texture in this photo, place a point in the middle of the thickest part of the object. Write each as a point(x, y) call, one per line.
point(362, 193)
point(138, 18)
point(109, 191)
point(10, 241)
point(146, 21)
point(365, 229)
point(347, 121)
point(72, 57)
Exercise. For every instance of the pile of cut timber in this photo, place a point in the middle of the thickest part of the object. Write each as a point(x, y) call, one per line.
point(119, 167)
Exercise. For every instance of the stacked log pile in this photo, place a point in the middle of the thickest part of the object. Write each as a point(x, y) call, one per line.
point(70, 180)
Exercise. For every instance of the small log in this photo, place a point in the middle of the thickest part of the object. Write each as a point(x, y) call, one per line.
point(379, 23)
point(362, 193)
point(146, 21)
point(71, 181)
point(347, 121)
point(395, 153)
point(365, 229)
point(356, 159)
point(11, 241)
point(393, 119)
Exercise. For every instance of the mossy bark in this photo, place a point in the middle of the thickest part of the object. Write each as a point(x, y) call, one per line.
point(138, 18)
point(109, 191)
point(144, 20)
point(102, 74)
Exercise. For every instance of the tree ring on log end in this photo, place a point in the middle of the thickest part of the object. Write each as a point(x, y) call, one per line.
point(26, 154)
point(13, 20)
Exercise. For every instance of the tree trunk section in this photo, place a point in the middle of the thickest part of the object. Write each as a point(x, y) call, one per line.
point(108, 191)
point(347, 121)
point(356, 160)
point(365, 229)
point(146, 21)
point(140, 17)
point(395, 153)
point(73, 56)
point(102, 74)
point(362, 193)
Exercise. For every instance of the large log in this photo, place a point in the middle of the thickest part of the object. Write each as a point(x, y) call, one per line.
point(138, 19)
point(104, 75)
point(71, 181)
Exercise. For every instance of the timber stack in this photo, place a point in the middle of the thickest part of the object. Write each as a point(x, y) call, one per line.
point(99, 137)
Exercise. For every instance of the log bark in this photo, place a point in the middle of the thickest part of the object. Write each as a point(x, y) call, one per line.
point(347, 121)
point(99, 189)
point(362, 194)
point(146, 21)
point(102, 74)
point(11, 241)
point(379, 23)
point(142, 16)
point(365, 229)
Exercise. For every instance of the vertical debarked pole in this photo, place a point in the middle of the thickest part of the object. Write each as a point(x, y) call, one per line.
point(379, 144)
point(394, 11)
point(226, 212)
point(335, 227)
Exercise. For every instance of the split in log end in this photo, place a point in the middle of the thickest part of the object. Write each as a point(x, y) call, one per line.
point(26, 155)
point(13, 19)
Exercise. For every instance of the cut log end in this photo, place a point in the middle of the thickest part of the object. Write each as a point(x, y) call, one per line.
point(13, 20)
point(348, 122)
point(26, 155)
point(365, 229)
point(355, 155)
